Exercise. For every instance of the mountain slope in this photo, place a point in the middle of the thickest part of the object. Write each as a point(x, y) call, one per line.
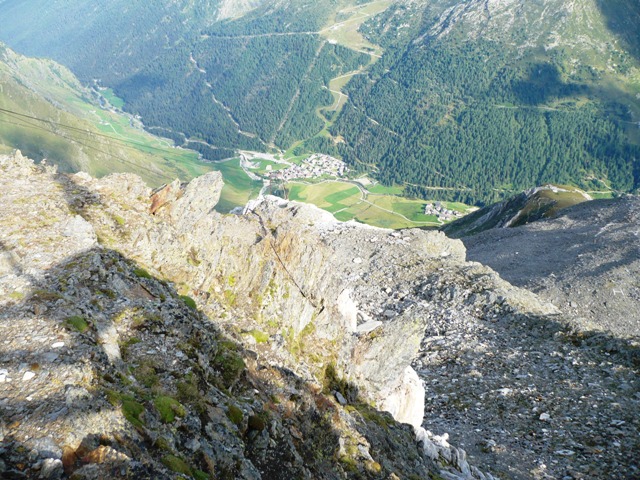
point(482, 98)
point(303, 325)
point(47, 113)
point(585, 258)
point(469, 100)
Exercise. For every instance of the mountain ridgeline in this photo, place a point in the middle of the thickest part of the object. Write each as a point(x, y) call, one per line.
point(453, 100)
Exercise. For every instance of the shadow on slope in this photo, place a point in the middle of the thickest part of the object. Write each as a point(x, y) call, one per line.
point(623, 18)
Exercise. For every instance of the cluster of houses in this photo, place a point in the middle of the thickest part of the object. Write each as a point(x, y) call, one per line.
point(441, 211)
point(316, 165)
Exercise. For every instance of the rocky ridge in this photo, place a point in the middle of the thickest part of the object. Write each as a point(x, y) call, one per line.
point(306, 327)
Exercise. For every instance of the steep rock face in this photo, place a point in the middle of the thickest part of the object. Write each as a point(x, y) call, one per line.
point(328, 318)
point(107, 373)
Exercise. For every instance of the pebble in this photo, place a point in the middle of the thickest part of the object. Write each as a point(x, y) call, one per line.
point(565, 453)
point(58, 345)
point(28, 376)
point(357, 260)
point(545, 417)
point(340, 398)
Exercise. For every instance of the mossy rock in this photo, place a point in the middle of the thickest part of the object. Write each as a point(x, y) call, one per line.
point(168, 408)
point(176, 464)
point(235, 414)
point(78, 323)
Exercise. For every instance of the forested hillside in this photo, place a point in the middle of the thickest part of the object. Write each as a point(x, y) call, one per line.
point(454, 100)
point(479, 104)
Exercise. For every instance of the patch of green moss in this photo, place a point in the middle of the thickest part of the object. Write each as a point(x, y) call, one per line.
point(189, 302)
point(260, 337)
point(141, 273)
point(145, 373)
point(17, 296)
point(168, 408)
point(176, 464)
point(349, 464)
point(118, 219)
point(228, 362)
point(235, 414)
point(230, 297)
point(132, 410)
point(200, 475)
point(78, 323)
point(162, 443)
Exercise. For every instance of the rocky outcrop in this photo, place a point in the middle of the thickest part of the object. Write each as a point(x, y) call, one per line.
point(306, 331)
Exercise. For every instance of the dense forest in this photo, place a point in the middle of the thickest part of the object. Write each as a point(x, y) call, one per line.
point(471, 125)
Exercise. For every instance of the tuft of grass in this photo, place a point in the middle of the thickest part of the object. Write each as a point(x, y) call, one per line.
point(235, 414)
point(141, 273)
point(200, 475)
point(78, 323)
point(189, 302)
point(168, 408)
point(260, 337)
point(145, 373)
point(132, 410)
point(228, 362)
point(188, 390)
point(257, 423)
point(176, 464)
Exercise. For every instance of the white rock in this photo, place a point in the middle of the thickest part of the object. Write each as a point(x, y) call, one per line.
point(58, 345)
point(357, 260)
point(406, 401)
point(545, 417)
point(369, 326)
point(28, 376)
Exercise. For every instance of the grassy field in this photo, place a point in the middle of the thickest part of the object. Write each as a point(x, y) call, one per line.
point(263, 164)
point(58, 119)
point(348, 202)
point(111, 97)
point(330, 196)
point(382, 190)
point(238, 187)
point(343, 29)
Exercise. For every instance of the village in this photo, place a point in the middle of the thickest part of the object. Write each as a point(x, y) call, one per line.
point(441, 211)
point(315, 166)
